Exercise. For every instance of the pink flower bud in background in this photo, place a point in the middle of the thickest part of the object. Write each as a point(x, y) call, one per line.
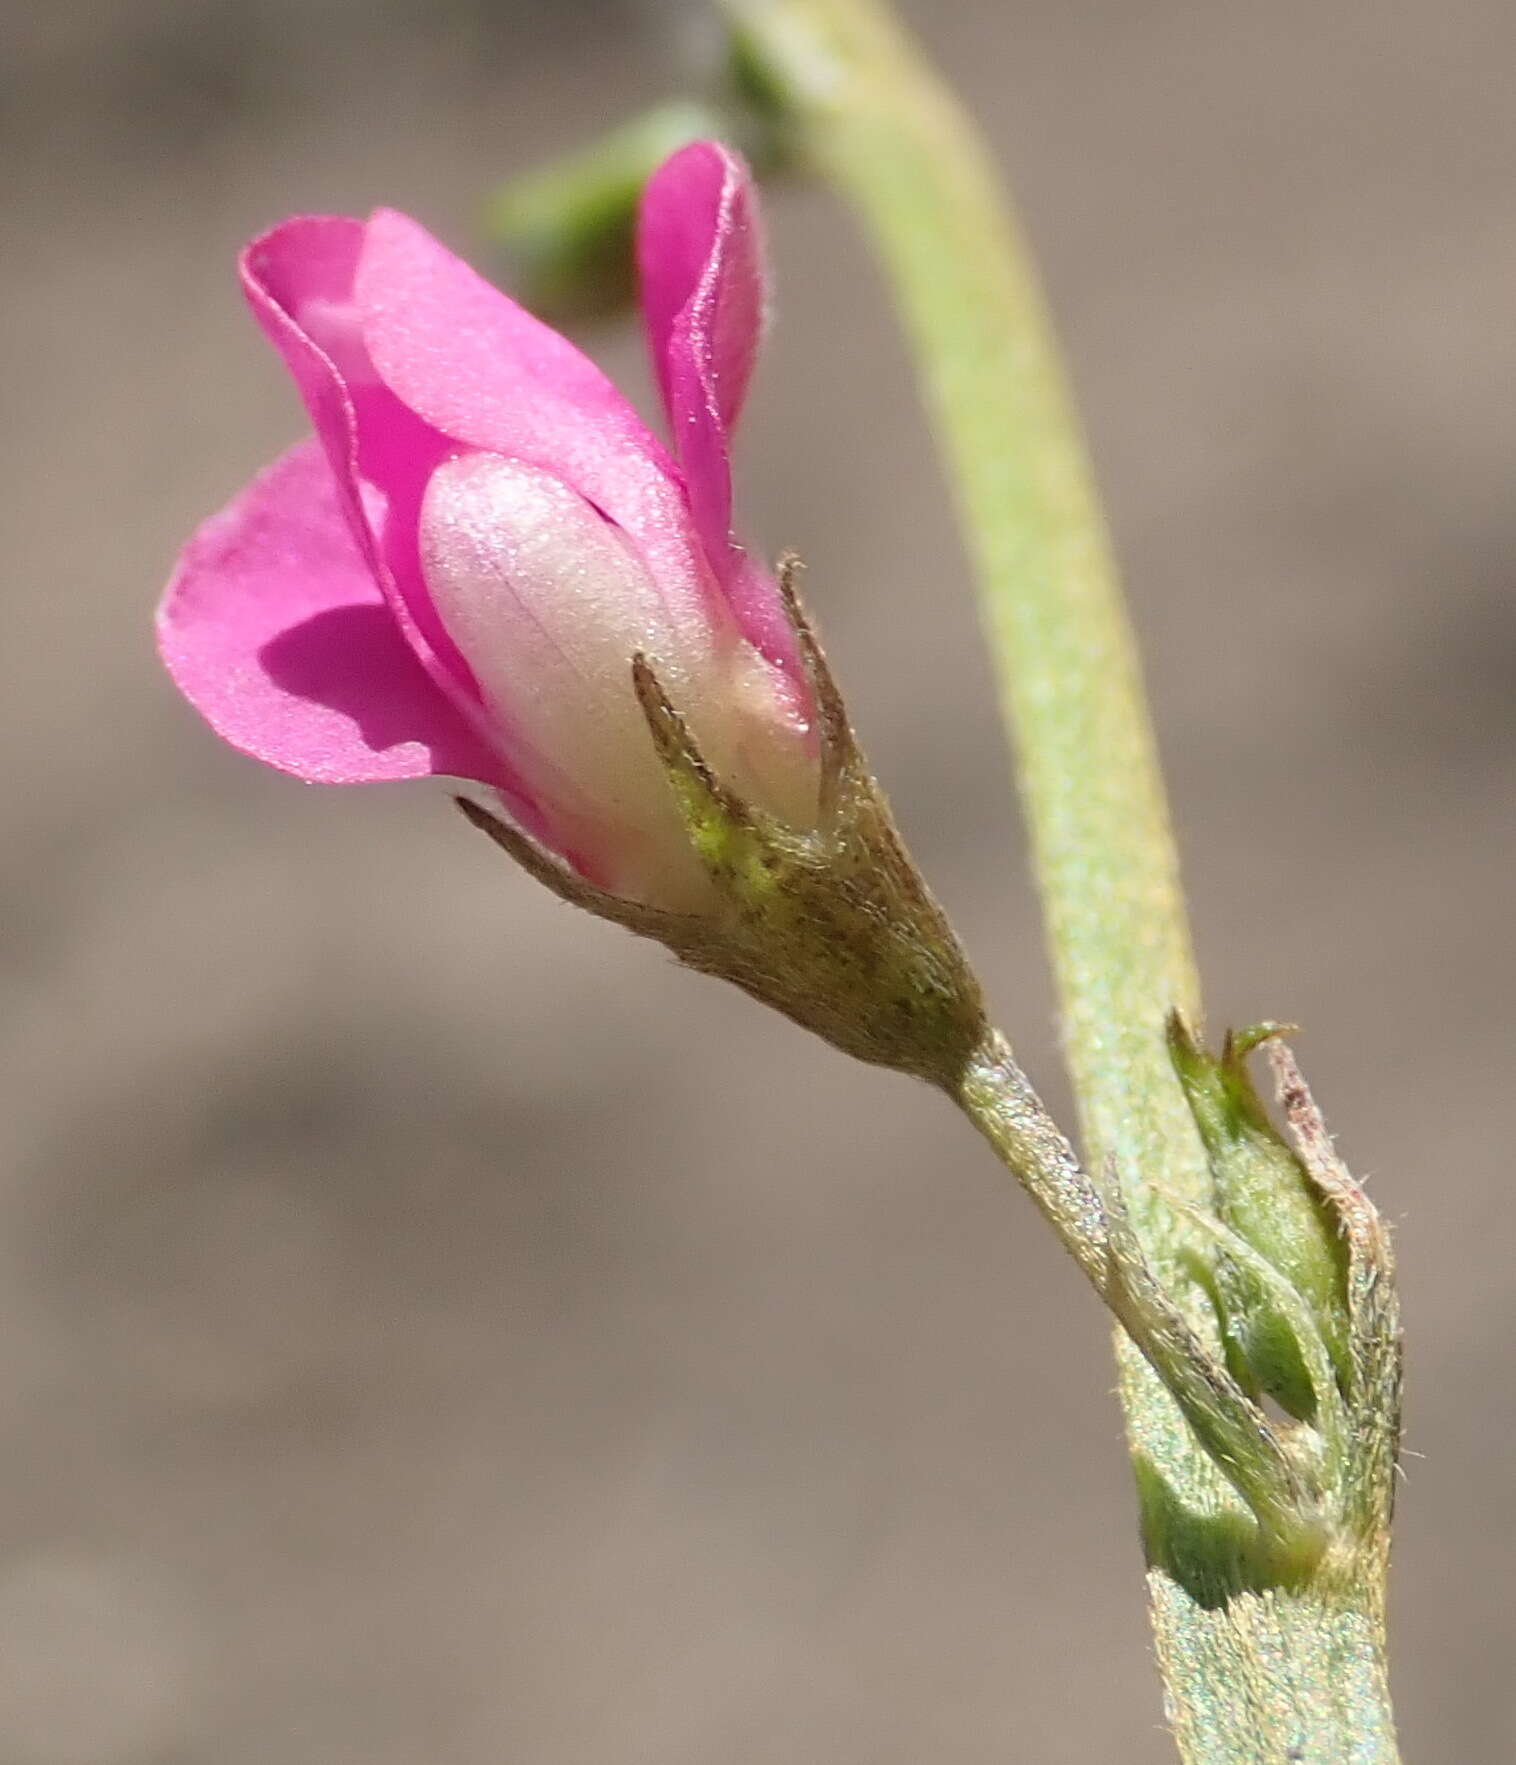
point(453, 575)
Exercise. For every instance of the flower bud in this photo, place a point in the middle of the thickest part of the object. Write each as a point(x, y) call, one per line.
point(565, 230)
point(1266, 1197)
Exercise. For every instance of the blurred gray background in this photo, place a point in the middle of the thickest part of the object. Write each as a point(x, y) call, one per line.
point(435, 1330)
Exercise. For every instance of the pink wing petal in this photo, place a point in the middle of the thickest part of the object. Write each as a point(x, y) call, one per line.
point(700, 259)
point(474, 366)
point(274, 629)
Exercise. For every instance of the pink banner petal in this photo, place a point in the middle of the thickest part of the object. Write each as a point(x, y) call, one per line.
point(477, 367)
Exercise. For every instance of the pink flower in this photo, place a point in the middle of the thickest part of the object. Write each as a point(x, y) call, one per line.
point(453, 575)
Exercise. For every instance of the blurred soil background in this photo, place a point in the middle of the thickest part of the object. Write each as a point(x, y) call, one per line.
point(435, 1331)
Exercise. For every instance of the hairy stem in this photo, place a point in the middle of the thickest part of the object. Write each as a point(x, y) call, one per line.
point(1258, 1666)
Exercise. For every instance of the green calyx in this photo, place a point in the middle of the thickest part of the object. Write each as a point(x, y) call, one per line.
point(831, 925)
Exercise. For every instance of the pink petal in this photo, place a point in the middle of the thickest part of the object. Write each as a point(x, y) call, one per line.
point(274, 629)
point(700, 258)
point(474, 366)
point(299, 279)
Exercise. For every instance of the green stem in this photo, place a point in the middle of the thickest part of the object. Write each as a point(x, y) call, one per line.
point(898, 146)
point(1258, 1667)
